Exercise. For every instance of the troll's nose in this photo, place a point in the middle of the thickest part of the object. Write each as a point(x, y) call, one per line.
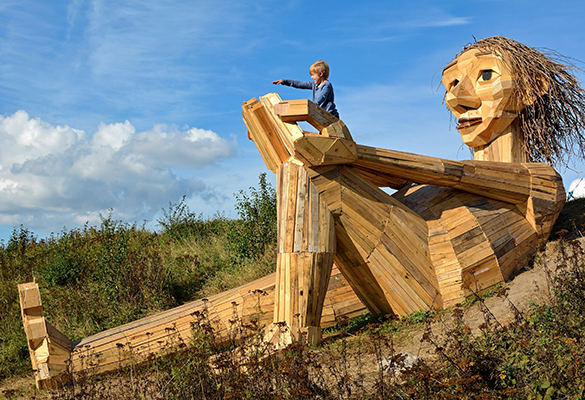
point(462, 97)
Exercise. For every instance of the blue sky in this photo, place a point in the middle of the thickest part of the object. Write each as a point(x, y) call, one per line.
point(129, 105)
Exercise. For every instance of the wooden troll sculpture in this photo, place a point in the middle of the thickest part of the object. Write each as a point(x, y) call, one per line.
point(453, 228)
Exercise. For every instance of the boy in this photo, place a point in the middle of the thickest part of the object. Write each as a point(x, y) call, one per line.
point(322, 88)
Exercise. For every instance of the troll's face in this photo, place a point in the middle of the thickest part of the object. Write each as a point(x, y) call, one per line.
point(482, 96)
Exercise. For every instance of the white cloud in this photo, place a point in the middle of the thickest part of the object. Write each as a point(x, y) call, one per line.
point(159, 145)
point(22, 134)
point(442, 22)
point(113, 135)
point(55, 176)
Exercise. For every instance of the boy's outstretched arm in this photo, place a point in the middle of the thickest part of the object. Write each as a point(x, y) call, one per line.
point(294, 83)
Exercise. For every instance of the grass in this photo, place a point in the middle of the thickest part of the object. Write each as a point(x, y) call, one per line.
point(98, 277)
point(95, 278)
point(539, 355)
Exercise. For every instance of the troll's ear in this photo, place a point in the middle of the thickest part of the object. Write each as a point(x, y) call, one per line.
point(534, 90)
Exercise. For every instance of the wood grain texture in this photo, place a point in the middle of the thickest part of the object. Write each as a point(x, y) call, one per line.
point(452, 229)
point(137, 341)
point(49, 349)
point(306, 243)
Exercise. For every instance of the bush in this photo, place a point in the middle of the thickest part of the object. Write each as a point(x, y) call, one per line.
point(98, 277)
point(256, 230)
point(180, 223)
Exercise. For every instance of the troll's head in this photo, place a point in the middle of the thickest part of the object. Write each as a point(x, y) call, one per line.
point(497, 80)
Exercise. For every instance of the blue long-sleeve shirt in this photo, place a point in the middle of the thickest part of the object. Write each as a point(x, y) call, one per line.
point(322, 95)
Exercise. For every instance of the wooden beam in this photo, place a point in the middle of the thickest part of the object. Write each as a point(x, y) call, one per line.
point(305, 110)
point(306, 243)
point(49, 349)
point(317, 150)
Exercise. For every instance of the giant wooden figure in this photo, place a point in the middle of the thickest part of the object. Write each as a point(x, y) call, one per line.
point(453, 228)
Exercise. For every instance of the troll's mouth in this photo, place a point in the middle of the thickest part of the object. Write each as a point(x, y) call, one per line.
point(467, 122)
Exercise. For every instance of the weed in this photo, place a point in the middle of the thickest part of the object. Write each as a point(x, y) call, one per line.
point(96, 277)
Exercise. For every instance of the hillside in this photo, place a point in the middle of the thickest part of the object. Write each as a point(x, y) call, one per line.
point(501, 346)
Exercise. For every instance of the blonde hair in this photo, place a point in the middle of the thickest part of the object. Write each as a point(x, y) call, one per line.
point(318, 67)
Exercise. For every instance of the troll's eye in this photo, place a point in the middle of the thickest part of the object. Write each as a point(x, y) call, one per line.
point(454, 83)
point(486, 74)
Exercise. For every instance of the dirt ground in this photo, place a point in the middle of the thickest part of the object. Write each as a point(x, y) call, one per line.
point(530, 285)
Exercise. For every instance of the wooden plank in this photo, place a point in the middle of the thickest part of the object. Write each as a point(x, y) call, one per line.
point(341, 152)
point(362, 282)
point(356, 209)
point(30, 297)
point(337, 129)
point(58, 339)
point(408, 248)
point(307, 153)
point(315, 150)
point(290, 202)
point(273, 135)
point(305, 110)
point(380, 179)
point(475, 254)
point(419, 267)
point(401, 295)
point(142, 343)
point(477, 177)
point(302, 193)
point(421, 270)
point(315, 205)
point(361, 242)
point(49, 349)
point(271, 155)
point(326, 238)
point(482, 276)
point(288, 132)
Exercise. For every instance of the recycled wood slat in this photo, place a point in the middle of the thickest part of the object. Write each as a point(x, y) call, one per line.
point(133, 342)
point(270, 145)
point(475, 176)
point(286, 131)
point(412, 294)
point(48, 348)
point(419, 268)
point(360, 277)
point(337, 129)
point(305, 110)
point(482, 276)
point(303, 275)
point(316, 150)
point(378, 179)
point(405, 294)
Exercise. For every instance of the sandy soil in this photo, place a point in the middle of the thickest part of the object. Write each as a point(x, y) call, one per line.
point(531, 285)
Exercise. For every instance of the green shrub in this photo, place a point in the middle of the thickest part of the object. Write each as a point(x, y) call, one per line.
point(256, 230)
point(180, 223)
point(98, 277)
